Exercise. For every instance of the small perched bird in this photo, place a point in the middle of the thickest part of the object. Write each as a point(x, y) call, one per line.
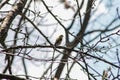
point(58, 40)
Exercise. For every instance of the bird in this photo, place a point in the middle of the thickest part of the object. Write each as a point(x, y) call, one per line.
point(58, 40)
point(105, 74)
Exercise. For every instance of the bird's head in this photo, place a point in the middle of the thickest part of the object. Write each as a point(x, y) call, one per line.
point(61, 36)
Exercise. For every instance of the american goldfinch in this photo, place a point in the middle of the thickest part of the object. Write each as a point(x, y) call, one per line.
point(58, 40)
